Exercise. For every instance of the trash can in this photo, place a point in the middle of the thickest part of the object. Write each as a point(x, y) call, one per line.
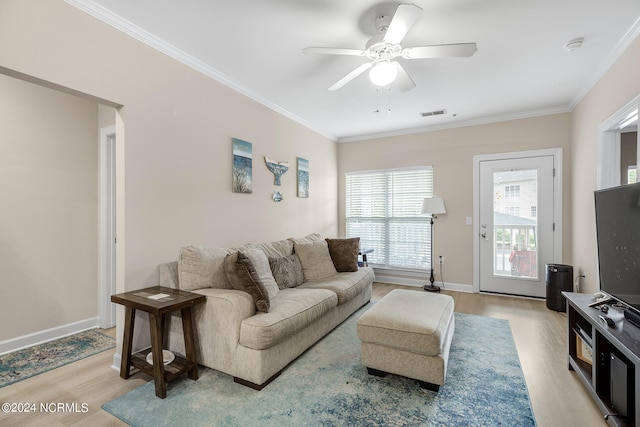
point(559, 278)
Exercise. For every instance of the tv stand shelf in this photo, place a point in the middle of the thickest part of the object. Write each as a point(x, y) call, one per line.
point(611, 348)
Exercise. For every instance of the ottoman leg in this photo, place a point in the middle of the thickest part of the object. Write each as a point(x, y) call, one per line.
point(376, 372)
point(429, 386)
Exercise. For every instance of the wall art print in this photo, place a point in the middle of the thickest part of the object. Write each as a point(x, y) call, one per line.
point(303, 177)
point(277, 169)
point(242, 166)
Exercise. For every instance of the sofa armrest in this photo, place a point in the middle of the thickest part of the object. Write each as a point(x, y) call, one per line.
point(216, 326)
point(169, 275)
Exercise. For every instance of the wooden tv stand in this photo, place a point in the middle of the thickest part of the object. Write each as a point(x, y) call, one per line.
point(621, 341)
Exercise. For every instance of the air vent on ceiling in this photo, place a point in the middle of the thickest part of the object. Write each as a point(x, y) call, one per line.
point(433, 113)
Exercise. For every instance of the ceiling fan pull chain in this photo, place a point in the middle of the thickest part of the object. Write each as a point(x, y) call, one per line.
point(389, 101)
point(377, 110)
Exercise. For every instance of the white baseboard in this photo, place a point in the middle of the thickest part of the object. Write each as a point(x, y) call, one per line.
point(117, 359)
point(417, 279)
point(40, 337)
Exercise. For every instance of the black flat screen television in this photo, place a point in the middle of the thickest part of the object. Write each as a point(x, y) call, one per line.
point(618, 233)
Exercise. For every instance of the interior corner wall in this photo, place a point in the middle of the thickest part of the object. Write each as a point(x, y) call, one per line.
point(617, 87)
point(48, 209)
point(178, 125)
point(451, 153)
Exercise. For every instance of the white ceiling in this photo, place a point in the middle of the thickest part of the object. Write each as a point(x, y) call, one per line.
point(519, 70)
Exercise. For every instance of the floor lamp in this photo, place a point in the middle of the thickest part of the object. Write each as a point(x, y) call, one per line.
point(433, 206)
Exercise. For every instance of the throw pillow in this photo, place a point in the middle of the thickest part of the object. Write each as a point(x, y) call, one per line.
point(344, 253)
point(287, 271)
point(315, 259)
point(200, 267)
point(249, 271)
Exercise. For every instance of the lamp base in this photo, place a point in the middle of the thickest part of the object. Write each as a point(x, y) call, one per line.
point(431, 287)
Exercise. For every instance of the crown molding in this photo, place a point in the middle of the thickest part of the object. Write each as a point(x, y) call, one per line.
point(116, 21)
point(460, 124)
point(629, 37)
point(92, 8)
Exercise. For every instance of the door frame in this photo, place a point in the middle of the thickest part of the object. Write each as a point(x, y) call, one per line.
point(556, 153)
point(107, 271)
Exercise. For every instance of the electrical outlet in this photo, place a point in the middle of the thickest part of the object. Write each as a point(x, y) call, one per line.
point(440, 259)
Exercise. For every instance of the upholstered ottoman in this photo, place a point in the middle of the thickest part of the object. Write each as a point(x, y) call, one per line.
point(408, 333)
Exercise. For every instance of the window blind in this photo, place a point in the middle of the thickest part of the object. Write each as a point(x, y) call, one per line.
point(384, 209)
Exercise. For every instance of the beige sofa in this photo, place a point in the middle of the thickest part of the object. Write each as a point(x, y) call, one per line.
point(232, 334)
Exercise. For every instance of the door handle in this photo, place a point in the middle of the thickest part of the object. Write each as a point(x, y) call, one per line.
point(484, 235)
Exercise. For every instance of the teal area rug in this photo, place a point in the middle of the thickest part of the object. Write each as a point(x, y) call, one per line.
point(28, 362)
point(328, 386)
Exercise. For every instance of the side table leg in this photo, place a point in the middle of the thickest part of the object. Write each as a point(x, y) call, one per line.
point(125, 357)
point(189, 342)
point(155, 326)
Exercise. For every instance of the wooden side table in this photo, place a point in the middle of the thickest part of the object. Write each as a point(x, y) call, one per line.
point(157, 302)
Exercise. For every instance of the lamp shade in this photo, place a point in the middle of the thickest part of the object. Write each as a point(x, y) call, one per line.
point(433, 206)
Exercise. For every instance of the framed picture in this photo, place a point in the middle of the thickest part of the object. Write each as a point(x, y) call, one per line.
point(583, 351)
point(303, 178)
point(242, 166)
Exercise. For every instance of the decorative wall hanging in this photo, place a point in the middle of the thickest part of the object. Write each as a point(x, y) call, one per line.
point(277, 197)
point(277, 168)
point(242, 166)
point(303, 177)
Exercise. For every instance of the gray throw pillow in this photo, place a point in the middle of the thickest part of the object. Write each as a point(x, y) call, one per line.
point(287, 271)
point(344, 253)
point(249, 271)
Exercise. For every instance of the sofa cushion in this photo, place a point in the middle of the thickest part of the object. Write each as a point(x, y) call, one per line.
point(277, 249)
point(315, 259)
point(345, 285)
point(344, 253)
point(291, 311)
point(249, 271)
point(287, 271)
point(200, 267)
point(313, 237)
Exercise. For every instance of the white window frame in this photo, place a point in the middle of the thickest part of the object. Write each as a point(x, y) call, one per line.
point(382, 216)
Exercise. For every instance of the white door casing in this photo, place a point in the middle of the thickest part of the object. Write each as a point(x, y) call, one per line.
point(511, 258)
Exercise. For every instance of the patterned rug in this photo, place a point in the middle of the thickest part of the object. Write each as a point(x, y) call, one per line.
point(28, 362)
point(328, 386)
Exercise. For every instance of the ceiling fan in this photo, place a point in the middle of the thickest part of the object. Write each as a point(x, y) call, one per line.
point(383, 48)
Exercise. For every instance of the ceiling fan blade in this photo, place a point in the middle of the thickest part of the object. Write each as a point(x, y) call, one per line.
point(333, 51)
point(403, 80)
point(352, 75)
point(440, 51)
point(404, 18)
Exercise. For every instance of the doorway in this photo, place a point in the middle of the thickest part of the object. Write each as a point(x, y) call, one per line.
point(517, 232)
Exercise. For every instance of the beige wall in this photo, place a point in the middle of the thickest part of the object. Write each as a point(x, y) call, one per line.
point(619, 86)
point(174, 135)
point(451, 152)
point(48, 209)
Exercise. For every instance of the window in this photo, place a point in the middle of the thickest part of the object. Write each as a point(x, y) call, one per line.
point(384, 209)
point(512, 210)
point(534, 211)
point(632, 174)
point(512, 191)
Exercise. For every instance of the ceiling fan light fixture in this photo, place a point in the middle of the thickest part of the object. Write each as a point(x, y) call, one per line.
point(383, 73)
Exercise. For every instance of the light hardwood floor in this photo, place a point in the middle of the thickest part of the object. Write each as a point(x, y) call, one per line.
point(557, 397)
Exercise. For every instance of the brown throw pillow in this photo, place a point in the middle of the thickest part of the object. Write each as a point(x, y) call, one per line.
point(344, 253)
point(249, 271)
point(287, 271)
